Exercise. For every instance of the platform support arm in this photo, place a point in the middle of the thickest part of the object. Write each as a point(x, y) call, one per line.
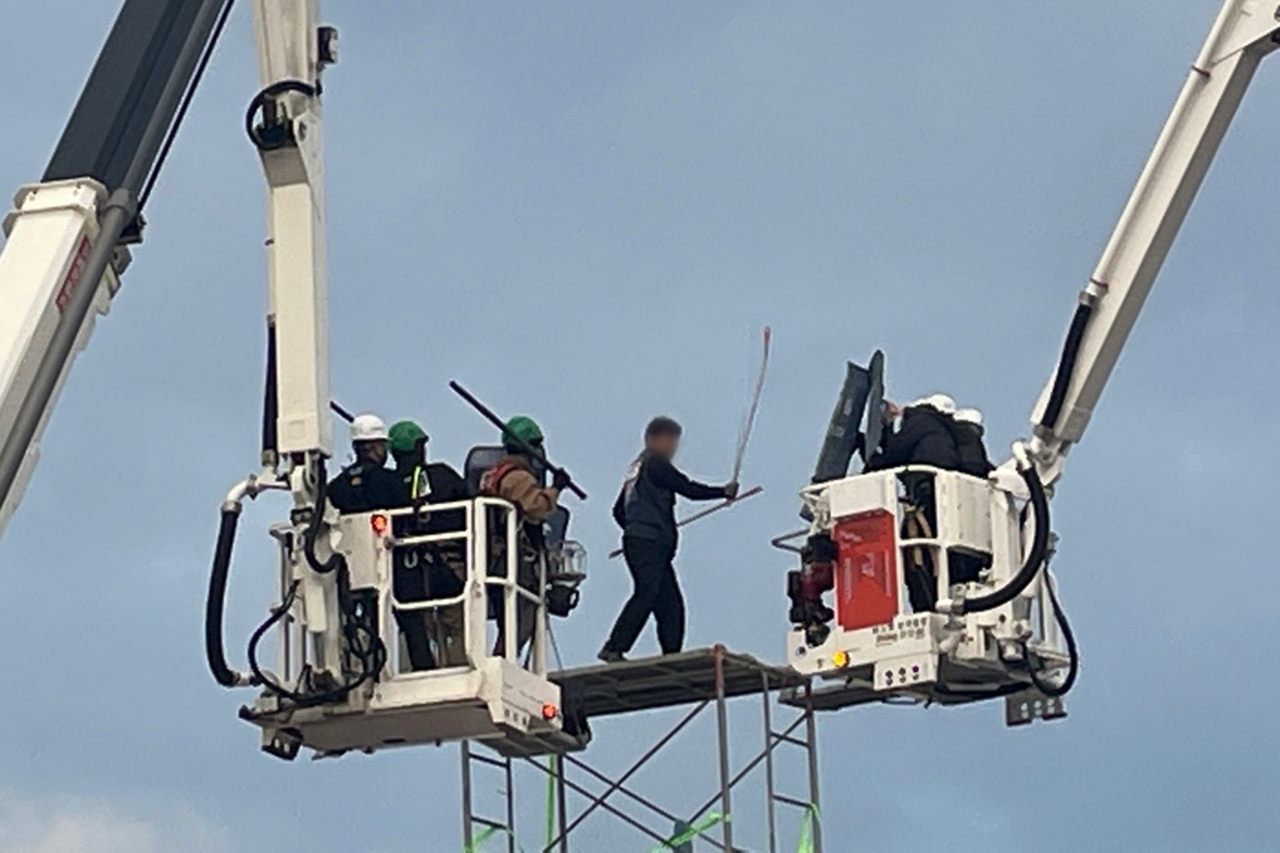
point(49, 284)
point(1244, 32)
point(286, 125)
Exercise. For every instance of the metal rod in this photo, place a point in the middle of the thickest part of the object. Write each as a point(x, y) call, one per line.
point(742, 774)
point(745, 437)
point(701, 514)
point(341, 411)
point(781, 542)
point(811, 731)
point(635, 767)
point(467, 839)
point(627, 792)
point(770, 818)
point(535, 452)
point(749, 493)
point(722, 731)
point(511, 807)
point(621, 815)
point(188, 96)
point(792, 801)
point(562, 806)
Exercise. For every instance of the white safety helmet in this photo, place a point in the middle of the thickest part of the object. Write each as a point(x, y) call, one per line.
point(969, 416)
point(368, 428)
point(939, 402)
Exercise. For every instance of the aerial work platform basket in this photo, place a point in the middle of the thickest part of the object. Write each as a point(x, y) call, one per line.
point(903, 547)
point(480, 579)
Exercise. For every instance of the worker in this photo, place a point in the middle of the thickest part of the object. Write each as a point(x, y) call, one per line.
point(970, 448)
point(366, 484)
point(517, 478)
point(924, 438)
point(645, 510)
point(434, 570)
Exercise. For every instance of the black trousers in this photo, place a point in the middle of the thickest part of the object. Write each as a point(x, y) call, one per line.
point(526, 610)
point(422, 574)
point(656, 592)
point(411, 586)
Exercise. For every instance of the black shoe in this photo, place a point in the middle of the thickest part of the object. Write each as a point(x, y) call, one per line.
point(608, 655)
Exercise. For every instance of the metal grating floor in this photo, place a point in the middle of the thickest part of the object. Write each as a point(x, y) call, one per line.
point(667, 680)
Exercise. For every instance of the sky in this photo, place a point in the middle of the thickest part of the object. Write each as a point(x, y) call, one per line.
point(586, 212)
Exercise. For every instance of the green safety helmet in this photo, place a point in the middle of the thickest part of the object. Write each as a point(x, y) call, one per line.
point(404, 436)
point(525, 429)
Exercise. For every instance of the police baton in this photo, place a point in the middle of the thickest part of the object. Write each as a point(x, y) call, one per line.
point(535, 452)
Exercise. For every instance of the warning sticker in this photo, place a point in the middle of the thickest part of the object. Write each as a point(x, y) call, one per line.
point(74, 274)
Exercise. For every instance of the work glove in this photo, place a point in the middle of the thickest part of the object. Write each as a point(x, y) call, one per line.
point(560, 480)
point(731, 491)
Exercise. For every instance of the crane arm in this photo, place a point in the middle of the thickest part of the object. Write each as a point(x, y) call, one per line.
point(68, 235)
point(61, 263)
point(1244, 32)
point(293, 51)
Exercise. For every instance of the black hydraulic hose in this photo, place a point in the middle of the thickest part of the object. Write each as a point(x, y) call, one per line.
point(185, 107)
point(1035, 559)
point(1073, 653)
point(1066, 365)
point(213, 647)
point(317, 521)
point(301, 700)
point(272, 134)
point(372, 655)
point(271, 402)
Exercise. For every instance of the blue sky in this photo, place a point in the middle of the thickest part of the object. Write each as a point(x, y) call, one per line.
point(586, 211)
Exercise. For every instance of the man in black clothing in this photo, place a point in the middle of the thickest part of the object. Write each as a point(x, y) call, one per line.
point(366, 484)
point(970, 448)
point(435, 570)
point(645, 510)
point(925, 437)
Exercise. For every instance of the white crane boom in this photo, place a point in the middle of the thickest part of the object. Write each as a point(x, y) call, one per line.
point(61, 264)
point(290, 48)
point(1244, 32)
point(59, 267)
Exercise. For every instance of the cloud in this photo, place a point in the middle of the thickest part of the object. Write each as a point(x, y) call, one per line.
point(80, 825)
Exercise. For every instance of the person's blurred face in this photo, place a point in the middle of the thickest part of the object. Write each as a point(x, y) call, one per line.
point(664, 444)
point(374, 451)
point(416, 456)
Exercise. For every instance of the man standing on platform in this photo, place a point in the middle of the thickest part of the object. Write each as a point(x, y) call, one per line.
point(645, 510)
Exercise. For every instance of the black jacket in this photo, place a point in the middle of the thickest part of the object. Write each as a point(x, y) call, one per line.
point(364, 487)
point(925, 438)
point(971, 450)
point(432, 483)
point(646, 506)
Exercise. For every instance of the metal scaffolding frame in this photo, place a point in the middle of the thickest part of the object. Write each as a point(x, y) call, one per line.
point(705, 679)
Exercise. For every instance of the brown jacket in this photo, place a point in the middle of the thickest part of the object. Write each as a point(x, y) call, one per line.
point(515, 483)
